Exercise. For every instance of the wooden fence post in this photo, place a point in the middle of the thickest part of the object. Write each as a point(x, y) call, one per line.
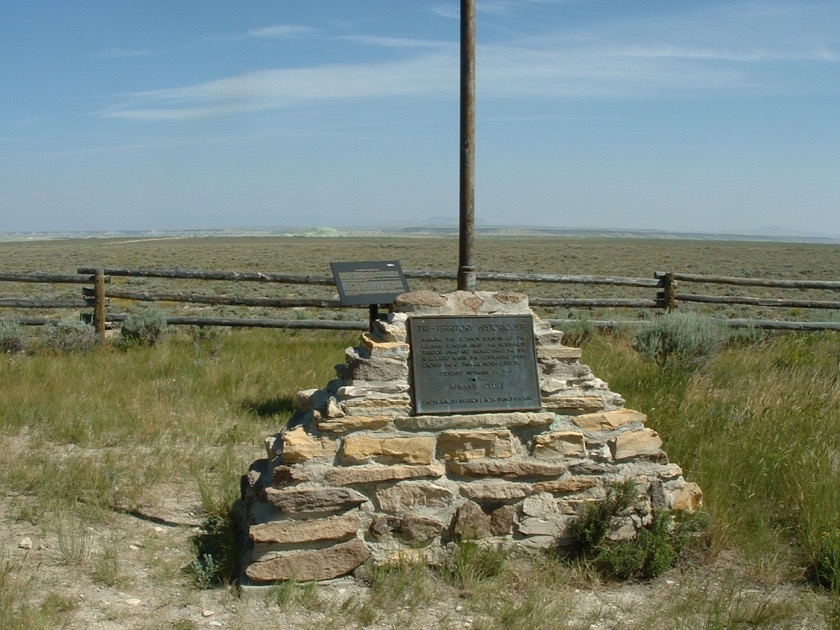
point(99, 304)
point(669, 291)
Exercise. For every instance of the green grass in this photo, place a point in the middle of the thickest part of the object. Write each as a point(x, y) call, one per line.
point(757, 426)
point(114, 424)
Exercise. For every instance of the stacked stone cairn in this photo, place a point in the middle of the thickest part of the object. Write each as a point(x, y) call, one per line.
point(355, 475)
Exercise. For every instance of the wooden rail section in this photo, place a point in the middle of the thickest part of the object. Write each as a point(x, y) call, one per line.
point(96, 295)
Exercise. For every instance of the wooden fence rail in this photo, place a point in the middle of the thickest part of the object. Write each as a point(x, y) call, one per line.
point(96, 295)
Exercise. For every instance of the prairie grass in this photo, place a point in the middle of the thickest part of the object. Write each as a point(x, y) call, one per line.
point(758, 427)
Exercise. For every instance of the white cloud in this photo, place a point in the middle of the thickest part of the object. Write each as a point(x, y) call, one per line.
point(281, 31)
point(255, 91)
point(399, 42)
point(125, 53)
point(723, 50)
point(498, 7)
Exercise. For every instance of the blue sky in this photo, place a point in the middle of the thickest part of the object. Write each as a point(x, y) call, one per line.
point(655, 114)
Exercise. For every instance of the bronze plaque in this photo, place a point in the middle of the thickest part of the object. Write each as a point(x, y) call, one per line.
point(368, 282)
point(473, 364)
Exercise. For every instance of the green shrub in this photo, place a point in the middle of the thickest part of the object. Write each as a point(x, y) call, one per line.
point(69, 336)
point(653, 551)
point(590, 530)
point(12, 337)
point(680, 338)
point(825, 567)
point(645, 557)
point(144, 328)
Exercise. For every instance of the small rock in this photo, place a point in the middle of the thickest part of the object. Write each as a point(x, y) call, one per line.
point(25, 543)
point(133, 547)
point(215, 624)
point(133, 601)
point(158, 529)
point(459, 608)
point(207, 613)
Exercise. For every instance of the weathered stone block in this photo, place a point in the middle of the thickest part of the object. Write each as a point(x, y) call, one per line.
point(608, 420)
point(288, 476)
point(305, 566)
point(506, 468)
point(493, 490)
point(384, 349)
point(669, 472)
point(374, 368)
point(541, 505)
point(409, 495)
point(566, 486)
point(474, 421)
point(347, 424)
point(558, 444)
point(502, 520)
point(554, 527)
point(688, 497)
point(559, 352)
point(552, 386)
point(548, 337)
point(573, 404)
point(467, 445)
point(471, 523)
point(413, 300)
point(392, 329)
point(292, 532)
point(377, 473)
point(307, 399)
point(631, 444)
point(299, 446)
point(333, 409)
point(394, 405)
point(314, 500)
point(409, 527)
point(361, 449)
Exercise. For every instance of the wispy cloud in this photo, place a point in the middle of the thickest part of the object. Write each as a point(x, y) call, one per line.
point(281, 31)
point(732, 50)
point(258, 91)
point(452, 10)
point(127, 53)
point(398, 42)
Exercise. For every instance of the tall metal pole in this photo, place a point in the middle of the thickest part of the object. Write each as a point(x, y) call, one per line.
point(466, 267)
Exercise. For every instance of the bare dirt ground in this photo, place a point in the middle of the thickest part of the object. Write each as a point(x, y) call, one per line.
point(133, 573)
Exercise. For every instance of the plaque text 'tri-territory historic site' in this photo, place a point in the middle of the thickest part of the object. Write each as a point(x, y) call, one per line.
point(473, 364)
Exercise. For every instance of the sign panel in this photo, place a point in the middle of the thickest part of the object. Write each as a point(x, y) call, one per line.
point(368, 282)
point(473, 364)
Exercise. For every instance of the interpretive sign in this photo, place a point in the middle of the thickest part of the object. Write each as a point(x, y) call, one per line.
point(473, 364)
point(368, 282)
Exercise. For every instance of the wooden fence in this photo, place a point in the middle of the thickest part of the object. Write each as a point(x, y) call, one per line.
point(664, 293)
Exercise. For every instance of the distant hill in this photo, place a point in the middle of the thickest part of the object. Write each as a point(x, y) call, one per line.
point(433, 226)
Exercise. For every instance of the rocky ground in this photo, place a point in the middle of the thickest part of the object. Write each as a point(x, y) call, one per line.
point(133, 572)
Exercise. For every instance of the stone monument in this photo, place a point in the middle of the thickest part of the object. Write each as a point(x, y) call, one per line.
point(482, 426)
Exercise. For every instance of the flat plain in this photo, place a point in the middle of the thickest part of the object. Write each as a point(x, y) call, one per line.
point(600, 256)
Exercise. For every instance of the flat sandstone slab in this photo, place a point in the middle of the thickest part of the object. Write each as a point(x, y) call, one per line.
point(314, 500)
point(309, 530)
point(305, 566)
point(378, 473)
point(474, 421)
